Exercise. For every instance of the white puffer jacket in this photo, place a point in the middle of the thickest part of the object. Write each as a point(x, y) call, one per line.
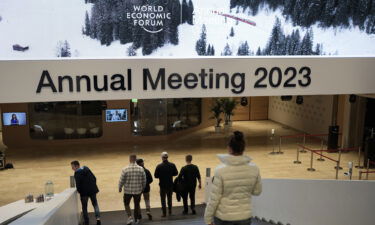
point(234, 182)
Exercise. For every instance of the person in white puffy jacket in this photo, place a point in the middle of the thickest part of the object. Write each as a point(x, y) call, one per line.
point(234, 182)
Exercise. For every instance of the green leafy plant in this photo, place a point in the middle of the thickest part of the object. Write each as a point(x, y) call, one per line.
point(228, 106)
point(217, 110)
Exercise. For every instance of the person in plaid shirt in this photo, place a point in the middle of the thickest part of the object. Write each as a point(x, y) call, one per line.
point(133, 179)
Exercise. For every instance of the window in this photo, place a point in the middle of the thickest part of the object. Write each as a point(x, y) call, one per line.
point(66, 120)
point(163, 116)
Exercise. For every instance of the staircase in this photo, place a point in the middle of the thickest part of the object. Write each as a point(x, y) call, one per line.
point(119, 218)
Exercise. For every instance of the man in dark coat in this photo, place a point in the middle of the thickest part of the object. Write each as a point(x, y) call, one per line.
point(146, 191)
point(87, 188)
point(189, 175)
point(165, 172)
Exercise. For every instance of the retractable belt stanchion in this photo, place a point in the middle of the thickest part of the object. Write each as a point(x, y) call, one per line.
point(297, 160)
point(280, 152)
point(360, 175)
point(337, 169)
point(273, 145)
point(303, 150)
point(321, 152)
point(311, 169)
point(368, 168)
point(359, 159)
point(338, 161)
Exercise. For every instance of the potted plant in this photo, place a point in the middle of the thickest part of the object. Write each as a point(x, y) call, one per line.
point(217, 110)
point(229, 105)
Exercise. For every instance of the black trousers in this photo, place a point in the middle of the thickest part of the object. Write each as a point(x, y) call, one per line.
point(137, 206)
point(94, 202)
point(189, 193)
point(166, 193)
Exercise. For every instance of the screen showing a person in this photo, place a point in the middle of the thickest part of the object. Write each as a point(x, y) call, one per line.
point(116, 115)
point(14, 119)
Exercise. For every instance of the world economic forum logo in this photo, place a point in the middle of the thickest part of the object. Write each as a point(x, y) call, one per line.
point(152, 18)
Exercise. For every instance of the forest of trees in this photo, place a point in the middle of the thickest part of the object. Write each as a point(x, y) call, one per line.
point(278, 43)
point(108, 22)
point(327, 13)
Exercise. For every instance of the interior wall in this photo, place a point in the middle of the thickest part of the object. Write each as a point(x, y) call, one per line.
point(313, 116)
point(19, 136)
point(242, 113)
point(259, 108)
point(256, 109)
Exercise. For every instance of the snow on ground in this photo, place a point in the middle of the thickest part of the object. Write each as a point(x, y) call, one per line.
point(41, 24)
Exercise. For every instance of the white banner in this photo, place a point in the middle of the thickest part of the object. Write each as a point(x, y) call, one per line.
point(145, 78)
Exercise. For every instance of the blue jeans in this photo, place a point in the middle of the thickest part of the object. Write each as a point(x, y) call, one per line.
point(218, 221)
point(94, 202)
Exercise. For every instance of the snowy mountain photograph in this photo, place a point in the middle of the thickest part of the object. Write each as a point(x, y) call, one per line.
point(48, 29)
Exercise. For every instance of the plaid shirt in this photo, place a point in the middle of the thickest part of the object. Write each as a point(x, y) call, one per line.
point(133, 179)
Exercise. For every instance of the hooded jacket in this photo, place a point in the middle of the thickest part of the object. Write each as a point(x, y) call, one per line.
point(85, 182)
point(234, 182)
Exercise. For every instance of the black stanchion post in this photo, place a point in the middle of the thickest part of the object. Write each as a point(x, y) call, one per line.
point(321, 152)
point(339, 161)
point(303, 150)
point(337, 169)
point(280, 152)
point(359, 159)
point(297, 160)
point(311, 169)
point(368, 168)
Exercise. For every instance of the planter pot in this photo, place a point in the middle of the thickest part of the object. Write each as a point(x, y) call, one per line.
point(217, 129)
point(159, 128)
point(226, 127)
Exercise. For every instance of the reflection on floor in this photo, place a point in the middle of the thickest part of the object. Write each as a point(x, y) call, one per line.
point(35, 166)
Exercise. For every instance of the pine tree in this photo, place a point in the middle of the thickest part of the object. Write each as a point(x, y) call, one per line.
point(307, 44)
point(231, 32)
point(318, 49)
point(208, 52)
point(130, 51)
point(370, 23)
point(259, 52)
point(227, 51)
point(200, 46)
point(190, 13)
point(276, 41)
point(147, 44)
point(212, 50)
point(295, 43)
point(314, 11)
point(243, 49)
point(185, 11)
point(63, 49)
point(87, 29)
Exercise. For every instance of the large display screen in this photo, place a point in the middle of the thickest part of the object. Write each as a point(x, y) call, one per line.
point(116, 115)
point(185, 28)
point(14, 119)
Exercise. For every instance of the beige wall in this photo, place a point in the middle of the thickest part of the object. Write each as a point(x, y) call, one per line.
point(257, 109)
point(313, 116)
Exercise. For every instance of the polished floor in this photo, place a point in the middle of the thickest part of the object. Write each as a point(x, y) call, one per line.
point(35, 166)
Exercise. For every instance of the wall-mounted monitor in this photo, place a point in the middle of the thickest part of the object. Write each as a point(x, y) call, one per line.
point(116, 115)
point(14, 119)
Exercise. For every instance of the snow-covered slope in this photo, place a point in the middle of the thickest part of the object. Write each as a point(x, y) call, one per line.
point(41, 24)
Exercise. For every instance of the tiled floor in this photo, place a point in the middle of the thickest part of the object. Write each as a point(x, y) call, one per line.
point(34, 166)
